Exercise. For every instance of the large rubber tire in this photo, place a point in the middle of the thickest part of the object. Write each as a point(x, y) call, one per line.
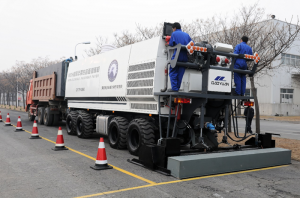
point(55, 119)
point(48, 118)
point(71, 122)
point(139, 131)
point(30, 117)
point(84, 125)
point(41, 111)
point(117, 132)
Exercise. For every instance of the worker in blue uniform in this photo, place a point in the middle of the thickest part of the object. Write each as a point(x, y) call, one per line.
point(240, 79)
point(177, 72)
point(69, 59)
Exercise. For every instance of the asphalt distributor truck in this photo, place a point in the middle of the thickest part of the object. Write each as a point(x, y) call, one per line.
point(122, 94)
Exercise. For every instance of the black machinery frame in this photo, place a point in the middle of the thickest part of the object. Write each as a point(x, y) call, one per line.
point(154, 156)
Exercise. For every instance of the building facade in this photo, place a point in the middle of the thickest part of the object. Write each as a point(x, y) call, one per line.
point(278, 89)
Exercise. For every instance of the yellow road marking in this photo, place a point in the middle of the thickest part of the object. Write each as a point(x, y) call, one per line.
point(177, 181)
point(115, 191)
point(92, 158)
point(151, 182)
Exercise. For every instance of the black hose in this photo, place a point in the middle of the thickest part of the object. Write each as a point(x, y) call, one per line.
point(190, 130)
point(238, 140)
point(236, 133)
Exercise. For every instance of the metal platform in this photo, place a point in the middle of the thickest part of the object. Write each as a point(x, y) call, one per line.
point(215, 163)
point(201, 95)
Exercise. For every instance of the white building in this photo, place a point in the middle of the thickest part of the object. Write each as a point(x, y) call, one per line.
point(278, 89)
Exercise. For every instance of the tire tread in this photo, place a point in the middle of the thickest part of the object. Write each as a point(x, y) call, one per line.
point(122, 124)
point(87, 120)
point(147, 130)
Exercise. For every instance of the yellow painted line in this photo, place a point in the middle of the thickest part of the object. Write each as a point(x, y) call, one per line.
point(92, 158)
point(116, 191)
point(177, 181)
point(151, 182)
point(133, 175)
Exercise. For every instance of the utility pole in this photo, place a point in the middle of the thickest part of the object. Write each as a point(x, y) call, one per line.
point(17, 92)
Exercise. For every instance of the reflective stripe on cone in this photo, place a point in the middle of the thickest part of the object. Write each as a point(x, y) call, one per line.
point(19, 125)
point(35, 132)
point(60, 144)
point(7, 123)
point(101, 159)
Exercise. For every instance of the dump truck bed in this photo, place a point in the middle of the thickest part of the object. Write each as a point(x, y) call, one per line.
point(49, 83)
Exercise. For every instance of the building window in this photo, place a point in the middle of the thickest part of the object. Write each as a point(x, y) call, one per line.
point(288, 59)
point(286, 95)
point(249, 93)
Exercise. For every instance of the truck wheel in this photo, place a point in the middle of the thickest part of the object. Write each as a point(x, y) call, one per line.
point(117, 131)
point(41, 111)
point(139, 131)
point(30, 117)
point(71, 122)
point(55, 119)
point(48, 118)
point(84, 125)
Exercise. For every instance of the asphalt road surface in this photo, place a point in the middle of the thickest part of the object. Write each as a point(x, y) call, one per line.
point(30, 168)
point(290, 130)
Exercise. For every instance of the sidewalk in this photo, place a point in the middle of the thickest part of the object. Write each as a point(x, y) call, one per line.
point(281, 118)
point(12, 108)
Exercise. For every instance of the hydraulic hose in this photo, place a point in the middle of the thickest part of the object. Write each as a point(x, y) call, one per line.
point(191, 133)
point(245, 137)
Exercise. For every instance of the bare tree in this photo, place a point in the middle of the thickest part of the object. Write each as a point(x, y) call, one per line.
point(25, 71)
point(268, 37)
point(97, 50)
point(20, 74)
point(5, 87)
point(141, 33)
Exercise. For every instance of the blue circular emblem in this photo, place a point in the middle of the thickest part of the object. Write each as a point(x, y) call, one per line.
point(113, 70)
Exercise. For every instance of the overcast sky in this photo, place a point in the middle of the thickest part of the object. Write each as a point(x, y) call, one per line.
point(33, 28)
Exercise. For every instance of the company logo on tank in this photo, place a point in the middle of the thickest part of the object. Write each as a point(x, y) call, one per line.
point(113, 70)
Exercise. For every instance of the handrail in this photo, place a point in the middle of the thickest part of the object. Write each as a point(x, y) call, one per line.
point(180, 47)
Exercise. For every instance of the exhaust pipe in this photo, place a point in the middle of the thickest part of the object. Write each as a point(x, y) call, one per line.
point(166, 78)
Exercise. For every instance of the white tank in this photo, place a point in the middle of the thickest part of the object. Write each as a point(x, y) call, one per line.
point(124, 79)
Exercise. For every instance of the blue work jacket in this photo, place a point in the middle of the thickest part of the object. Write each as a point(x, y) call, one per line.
point(242, 48)
point(183, 38)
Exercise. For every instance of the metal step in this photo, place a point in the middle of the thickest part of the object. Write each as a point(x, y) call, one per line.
point(167, 115)
point(239, 116)
point(216, 163)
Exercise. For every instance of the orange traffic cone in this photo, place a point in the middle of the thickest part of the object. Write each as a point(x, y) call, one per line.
point(35, 132)
point(7, 123)
point(101, 160)
point(0, 117)
point(60, 144)
point(19, 125)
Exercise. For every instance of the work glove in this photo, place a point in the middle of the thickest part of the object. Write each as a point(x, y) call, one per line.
point(167, 39)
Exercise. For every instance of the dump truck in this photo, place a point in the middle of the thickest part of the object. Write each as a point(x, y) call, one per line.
point(45, 97)
point(122, 94)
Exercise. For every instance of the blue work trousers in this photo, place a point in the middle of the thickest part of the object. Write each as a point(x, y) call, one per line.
point(176, 75)
point(240, 83)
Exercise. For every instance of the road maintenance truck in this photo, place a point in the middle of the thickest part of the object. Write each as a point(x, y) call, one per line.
point(122, 94)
